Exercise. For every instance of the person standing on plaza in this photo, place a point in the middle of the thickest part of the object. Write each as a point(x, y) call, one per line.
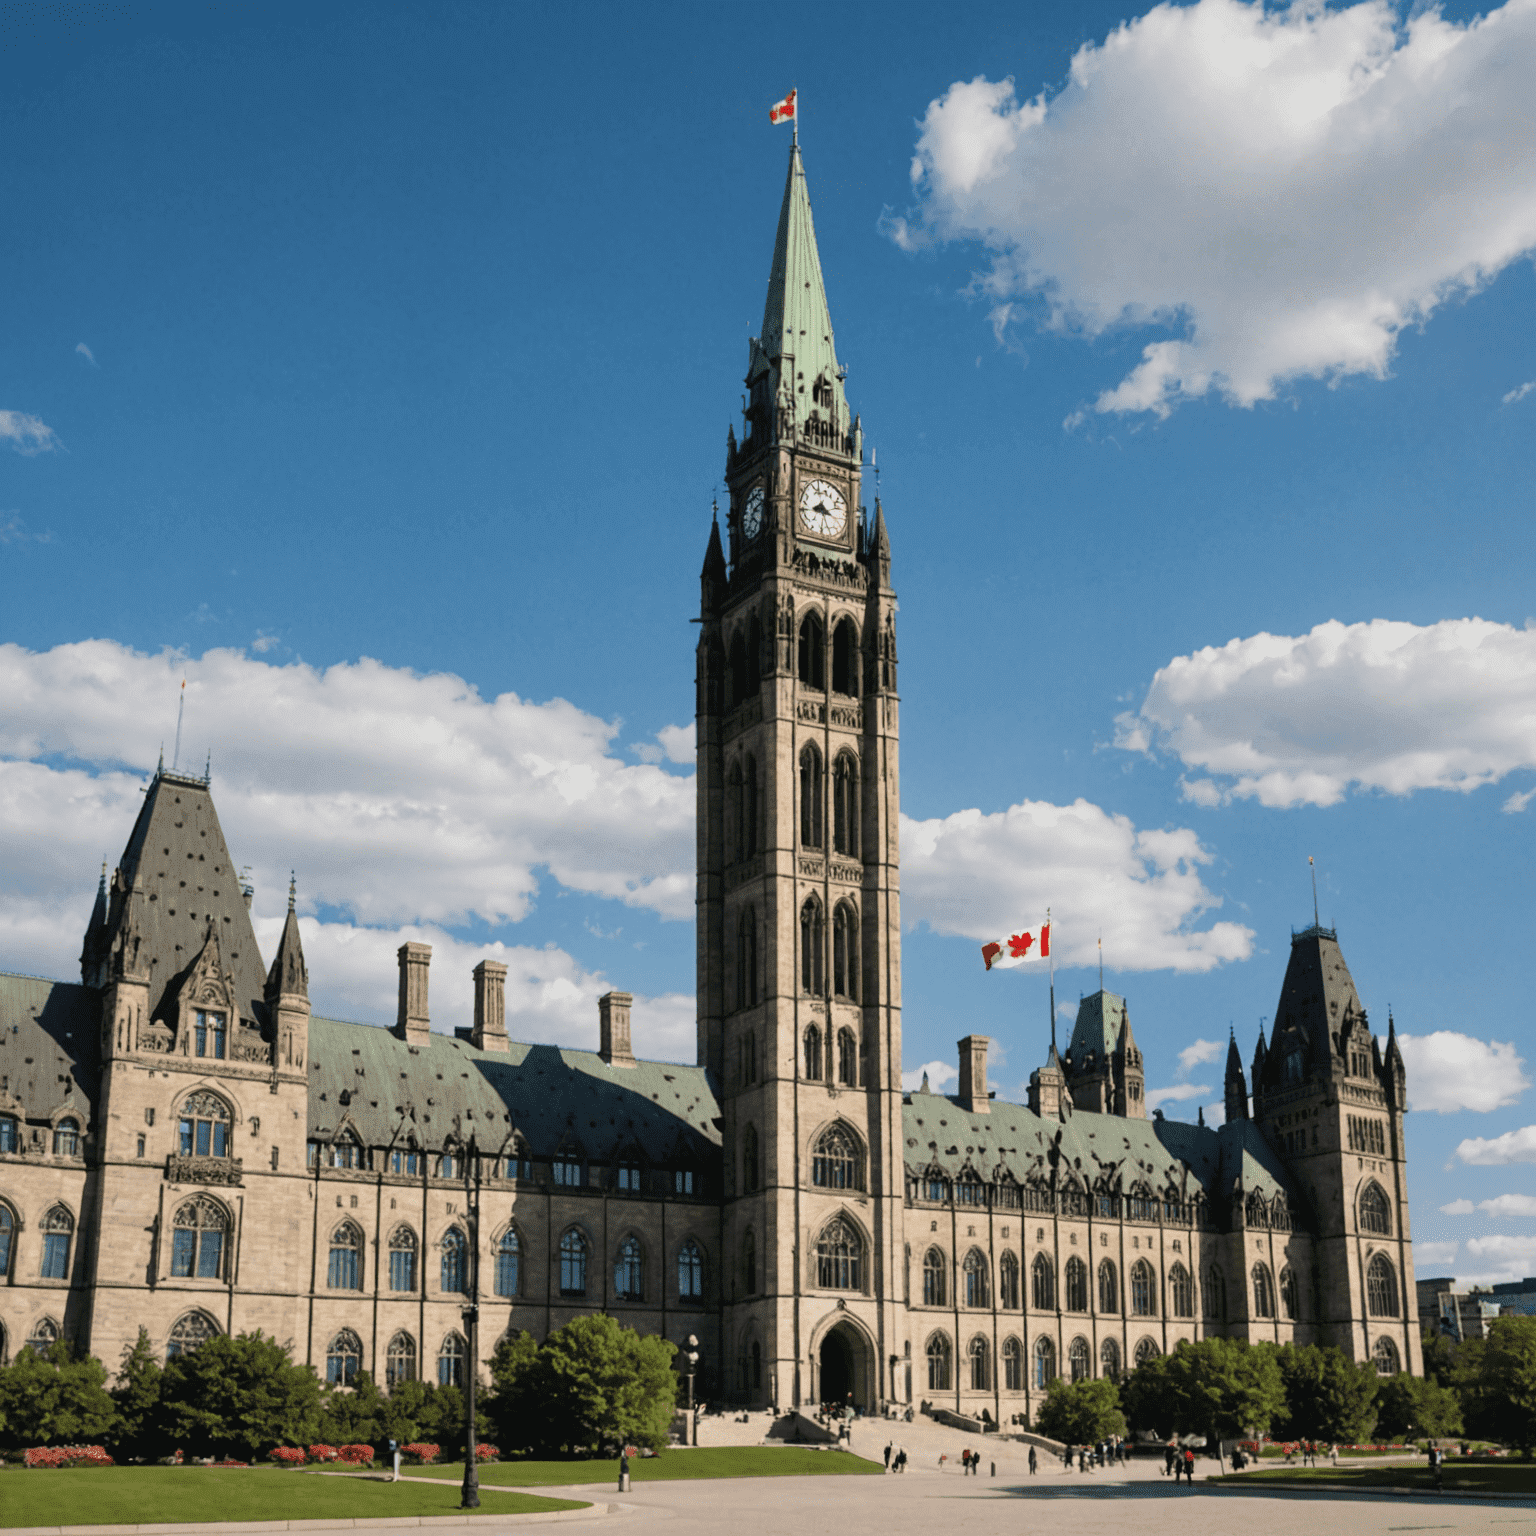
point(887, 1455)
point(1034, 1461)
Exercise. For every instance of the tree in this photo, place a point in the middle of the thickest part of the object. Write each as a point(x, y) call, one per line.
point(237, 1396)
point(1414, 1406)
point(1221, 1388)
point(514, 1375)
point(1327, 1396)
point(1508, 1378)
point(420, 1410)
point(1081, 1412)
point(356, 1417)
point(55, 1398)
point(136, 1395)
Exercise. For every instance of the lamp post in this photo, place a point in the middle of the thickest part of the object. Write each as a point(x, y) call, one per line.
point(470, 1498)
point(691, 1355)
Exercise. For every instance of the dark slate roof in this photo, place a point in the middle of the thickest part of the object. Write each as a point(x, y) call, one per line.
point(1316, 997)
point(178, 863)
point(47, 1044)
point(551, 1096)
point(1108, 1150)
point(1098, 1026)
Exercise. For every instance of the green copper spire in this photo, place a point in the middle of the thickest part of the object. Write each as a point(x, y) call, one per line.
point(797, 328)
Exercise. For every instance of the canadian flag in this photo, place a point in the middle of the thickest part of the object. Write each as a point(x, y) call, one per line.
point(1032, 944)
point(782, 111)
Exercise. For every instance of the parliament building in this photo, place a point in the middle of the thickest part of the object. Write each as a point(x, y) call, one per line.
point(185, 1147)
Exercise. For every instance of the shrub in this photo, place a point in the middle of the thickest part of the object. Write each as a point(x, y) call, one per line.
point(287, 1455)
point(68, 1456)
point(356, 1455)
point(484, 1452)
point(323, 1453)
point(419, 1454)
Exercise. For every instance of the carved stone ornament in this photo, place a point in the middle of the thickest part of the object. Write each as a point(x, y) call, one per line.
point(156, 1040)
point(204, 1170)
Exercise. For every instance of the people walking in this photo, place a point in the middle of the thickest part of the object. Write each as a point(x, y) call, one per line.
point(1170, 1460)
point(1189, 1466)
point(1034, 1461)
point(887, 1455)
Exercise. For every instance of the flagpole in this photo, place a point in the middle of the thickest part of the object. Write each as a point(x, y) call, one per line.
point(1052, 958)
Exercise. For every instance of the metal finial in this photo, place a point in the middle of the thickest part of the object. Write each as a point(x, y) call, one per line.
point(292, 889)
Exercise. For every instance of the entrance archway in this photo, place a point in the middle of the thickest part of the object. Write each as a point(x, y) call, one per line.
point(845, 1370)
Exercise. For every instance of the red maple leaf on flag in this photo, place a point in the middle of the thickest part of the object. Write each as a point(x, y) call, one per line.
point(1018, 945)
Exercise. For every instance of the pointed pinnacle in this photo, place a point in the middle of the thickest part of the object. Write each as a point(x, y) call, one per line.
point(292, 889)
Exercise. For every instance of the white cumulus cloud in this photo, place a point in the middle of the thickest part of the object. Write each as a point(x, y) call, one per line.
point(1458, 1208)
point(1389, 706)
point(1278, 190)
point(1519, 392)
point(1497, 1151)
point(1177, 1094)
point(26, 434)
point(938, 1074)
point(978, 875)
point(1500, 1257)
point(1197, 1053)
point(1449, 1071)
point(1428, 1257)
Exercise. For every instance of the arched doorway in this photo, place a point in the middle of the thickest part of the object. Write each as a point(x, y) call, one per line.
point(845, 1368)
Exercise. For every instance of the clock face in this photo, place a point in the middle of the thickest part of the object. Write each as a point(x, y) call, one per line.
point(752, 512)
point(823, 510)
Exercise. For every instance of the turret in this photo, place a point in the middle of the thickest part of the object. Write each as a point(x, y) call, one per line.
point(93, 953)
point(1130, 1077)
point(1236, 1086)
point(1259, 1055)
point(287, 993)
point(1394, 1075)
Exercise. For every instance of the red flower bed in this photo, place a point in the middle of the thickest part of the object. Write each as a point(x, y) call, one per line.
point(287, 1456)
point(324, 1453)
point(484, 1452)
point(226, 1463)
point(356, 1455)
point(419, 1453)
point(68, 1456)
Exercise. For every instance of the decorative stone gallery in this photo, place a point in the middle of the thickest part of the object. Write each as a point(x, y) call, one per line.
point(184, 1146)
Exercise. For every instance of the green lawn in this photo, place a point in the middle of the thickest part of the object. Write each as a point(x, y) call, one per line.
point(206, 1495)
point(711, 1461)
point(1465, 1477)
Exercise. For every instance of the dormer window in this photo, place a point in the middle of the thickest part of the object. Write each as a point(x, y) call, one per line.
point(204, 1127)
point(344, 1154)
point(405, 1162)
point(682, 1181)
point(567, 1170)
point(66, 1138)
point(208, 1034)
point(10, 1134)
point(629, 1177)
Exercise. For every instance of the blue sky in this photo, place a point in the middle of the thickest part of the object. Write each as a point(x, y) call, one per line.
point(356, 355)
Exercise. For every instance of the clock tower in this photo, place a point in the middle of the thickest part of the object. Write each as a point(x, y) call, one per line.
point(799, 950)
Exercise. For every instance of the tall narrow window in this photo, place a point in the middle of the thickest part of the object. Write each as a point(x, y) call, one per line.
point(345, 1270)
point(7, 1238)
point(1077, 1286)
point(58, 1234)
point(845, 952)
point(454, 1275)
point(938, 1363)
point(402, 1259)
point(1109, 1359)
point(1045, 1361)
point(813, 1053)
point(690, 1272)
point(10, 1134)
point(935, 1268)
point(747, 1047)
point(1375, 1211)
point(208, 1034)
point(450, 1362)
point(1013, 1366)
point(408, 1161)
point(749, 807)
point(1008, 1283)
point(197, 1240)
point(1109, 1287)
point(749, 1160)
point(400, 1362)
point(566, 1169)
point(1288, 1308)
point(66, 1138)
point(735, 838)
point(1181, 1290)
point(981, 1365)
point(847, 1058)
point(1215, 1293)
point(840, 1257)
point(810, 797)
point(573, 1264)
point(204, 1130)
point(344, 1359)
point(845, 659)
point(509, 1254)
point(629, 1271)
point(835, 1160)
point(845, 806)
point(1079, 1361)
point(812, 660)
point(1384, 1357)
point(1381, 1287)
point(1042, 1285)
point(1143, 1289)
point(812, 949)
point(746, 958)
point(1263, 1292)
point(749, 1263)
point(975, 1279)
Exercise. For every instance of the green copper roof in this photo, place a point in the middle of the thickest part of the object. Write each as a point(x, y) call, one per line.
point(796, 321)
point(1099, 1019)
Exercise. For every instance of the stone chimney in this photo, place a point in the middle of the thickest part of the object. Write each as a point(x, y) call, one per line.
point(613, 1029)
point(973, 1075)
point(412, 1023)
point(490, 1031)
point(1049, 1097)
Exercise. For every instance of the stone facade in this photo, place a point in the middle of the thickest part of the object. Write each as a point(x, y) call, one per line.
point(186, 1148)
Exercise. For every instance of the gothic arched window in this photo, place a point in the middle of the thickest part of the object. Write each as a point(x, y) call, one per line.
point(629, 1271)
point(845, 805)
point(344, 1359)
point(345, 1269)
point(937, 1353)
point(1042, 1285)
point(975, 1279)
point(1079, 1361)
point(1215, 1293)
point(1181, 1290)
point(690, 1272)
point(742, 674)
point(734, 841)
point(813, 946)
point(1077, 1285)
point(812, 660)
point(400, 1361)
point(1008, 1283)
point(1109, 1360)
point(573, 1264)
point(835, 1160)
point(455, 1261)
point(44, 1336)
point(935, 1290)
point(1384, 1357)
point(197, 1239)
point(810, 797)
point(813, 1053)
point(7, 1239)
point(1013, 1365)
point(1375, 1210)
point(1263, 1291)
point(1146, 1349)
point(1143, 1290)
point(746, 958)
point(1288, 1307)
point(981, 1365)
point(749, 1262)
point(58, 1236)
point(1381, 1287)
point(840, 1257)
point(190, 1330)
point(749, 1160)
point(205, 1121)
point(747, 1051)
point(509, 1258)
point(845, 658)
point(847, 1058)
point(450, 1362)
point(1109, 1287)
point(402, 1259)
point(845, 952)
point(1045, 1361)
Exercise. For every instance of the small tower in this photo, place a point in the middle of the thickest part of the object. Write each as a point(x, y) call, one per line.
point(1130, 1077)
point(287, 993)
point(1259, 1053)
point(94, 952)
point(1049, 1097)
point(1236, 1085)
